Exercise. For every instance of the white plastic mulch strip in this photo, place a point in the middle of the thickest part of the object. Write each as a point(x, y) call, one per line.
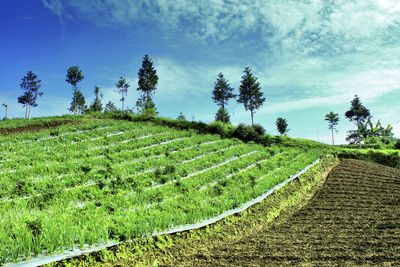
point(46, 259)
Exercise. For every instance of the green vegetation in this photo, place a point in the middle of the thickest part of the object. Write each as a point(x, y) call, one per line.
point(250, 94)
point(333, 120)
point(122, 86)
point(282, 126)
point(221, 94)
point(74, 76)
point(117, 180)
point(31, 84)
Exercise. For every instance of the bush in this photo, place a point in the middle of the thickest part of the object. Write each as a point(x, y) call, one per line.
point(216, 128)
point(245, 133)
point(259, 129)
point(397, 144)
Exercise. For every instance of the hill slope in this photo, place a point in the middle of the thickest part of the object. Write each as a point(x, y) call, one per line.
point(80, 185)
point(352, 220)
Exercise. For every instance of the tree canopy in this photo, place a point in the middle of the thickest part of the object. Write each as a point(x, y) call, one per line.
point(96, 105)
point(357, 111)
point(148, 78)
point(78, 103)
point(122, 86)
point(30, 84)
point(74, 75)
point(333, 120)
point(282, 125)
point(250, 94)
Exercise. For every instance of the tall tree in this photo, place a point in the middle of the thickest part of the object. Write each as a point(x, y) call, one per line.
point(147, 84)
point(122, 86)
point(222, 93)
point(74, 76)
point(333, 120)
point(357, 113)
point(31, 84)
point(78, 103)
point(96, 104)
point(6, 106)
point(250, 94)
point(281, 125)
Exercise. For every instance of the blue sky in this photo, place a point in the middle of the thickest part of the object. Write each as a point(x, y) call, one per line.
point(310, 57)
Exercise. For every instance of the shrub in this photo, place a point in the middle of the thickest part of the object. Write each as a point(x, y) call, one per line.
point(245, 133)
point(397, 144)
point(216, 128)
point(259, 129)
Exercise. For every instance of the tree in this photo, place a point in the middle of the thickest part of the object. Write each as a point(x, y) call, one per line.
point(222, 115)
point(96, 104)
point(31, 84)
point(78, 103)
point(359, 114)
point(222, 93)
point(281, 125)
point(250, 94)
point(110, 107)
point(74, 75)
point(181, 117)
point(333, 120)
point(6, 106)
point(147, 83)
point(122, 86)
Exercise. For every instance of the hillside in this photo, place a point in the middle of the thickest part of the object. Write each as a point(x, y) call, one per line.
point(105, 180)
point(348, 218)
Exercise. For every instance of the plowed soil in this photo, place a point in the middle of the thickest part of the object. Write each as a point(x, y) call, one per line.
point(354, 219)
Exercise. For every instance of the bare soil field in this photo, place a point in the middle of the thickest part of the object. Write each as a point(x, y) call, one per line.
point(354, 219)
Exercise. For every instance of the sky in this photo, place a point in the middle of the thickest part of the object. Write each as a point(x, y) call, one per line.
point(310, 56)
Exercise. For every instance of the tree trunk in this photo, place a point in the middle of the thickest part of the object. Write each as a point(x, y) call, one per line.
point(252, 122)
point(74, 101)
point(29, 114)
point(333, 142)
point(26, 111)
point(6, 112)
point(122, 105)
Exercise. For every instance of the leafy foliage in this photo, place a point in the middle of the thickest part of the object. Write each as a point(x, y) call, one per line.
point(181, 117)
point(250, 94)
point(281, 126)
point(122, 86)
point(333, 120)
point(110, 106)
point(74, 75)
point(96, 104)
point(222, 116)
point(30, 84)
point(78, 103)
point(148, 78)
point(221, 94)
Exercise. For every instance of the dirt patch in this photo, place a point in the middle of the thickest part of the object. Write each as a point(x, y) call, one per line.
point(352, 220)
point(37, 128)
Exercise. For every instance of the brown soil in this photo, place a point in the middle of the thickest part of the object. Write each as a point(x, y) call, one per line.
point(36, 128)
point(354, 219)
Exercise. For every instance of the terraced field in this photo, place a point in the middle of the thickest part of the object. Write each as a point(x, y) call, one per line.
point(352, 221)
point(117, 180)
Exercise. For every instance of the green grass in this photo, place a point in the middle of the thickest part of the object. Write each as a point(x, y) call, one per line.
point(117, 180)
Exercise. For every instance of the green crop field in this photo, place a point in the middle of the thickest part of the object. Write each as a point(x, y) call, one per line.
point(117, 180)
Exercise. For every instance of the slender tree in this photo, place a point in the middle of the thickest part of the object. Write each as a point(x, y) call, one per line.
point(250, 94)
point(6, 106)
point(78, 103)
point(74, 76)
point(222, 93)
point(281, 126)
point(333, 120)
point(31, 84)
point(122, 86)
point(96, 104)
point(147, 84)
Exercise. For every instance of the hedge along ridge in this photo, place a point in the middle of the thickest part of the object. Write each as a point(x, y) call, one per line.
point(242, 132)
point(312, 172)
point(390, 160)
